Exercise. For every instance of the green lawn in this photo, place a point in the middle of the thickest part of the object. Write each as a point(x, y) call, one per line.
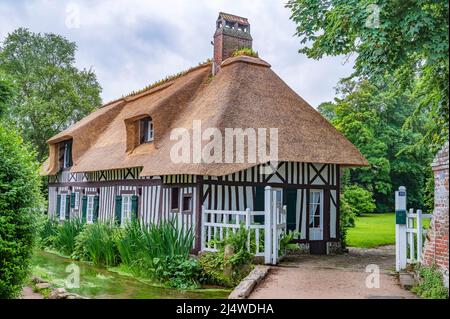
point(374, 230)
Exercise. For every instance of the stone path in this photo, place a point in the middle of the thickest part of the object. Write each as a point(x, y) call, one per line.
point(328, 277)
point(27, 293)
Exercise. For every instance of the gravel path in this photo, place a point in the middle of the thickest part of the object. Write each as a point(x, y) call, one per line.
point(328, 277)
point(27, 293)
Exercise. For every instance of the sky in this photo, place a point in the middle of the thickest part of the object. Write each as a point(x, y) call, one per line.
point(132, 43)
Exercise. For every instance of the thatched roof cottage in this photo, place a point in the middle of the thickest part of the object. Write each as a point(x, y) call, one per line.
point(118, 161)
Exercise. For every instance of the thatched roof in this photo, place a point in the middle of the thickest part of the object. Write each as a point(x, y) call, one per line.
point(246, 93)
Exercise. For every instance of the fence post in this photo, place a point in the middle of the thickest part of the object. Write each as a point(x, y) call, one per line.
point(400, 228)
point(203, 230)
point(267, 224)
point(411, 242)
point(419, 235)
point(247, 226)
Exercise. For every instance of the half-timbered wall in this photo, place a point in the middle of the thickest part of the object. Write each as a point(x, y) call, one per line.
point(236, 191)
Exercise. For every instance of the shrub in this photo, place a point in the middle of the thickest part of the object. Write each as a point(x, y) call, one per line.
point(65, 237)
point(355, 201)
point(245, 51)
point(430, 284)
point(213, 264)
point(47, 230)
point(19, 200)
point(177, 271)
point(97, 243)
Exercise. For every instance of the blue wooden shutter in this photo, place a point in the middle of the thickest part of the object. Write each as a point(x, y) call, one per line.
point(134, 207)
point(118, 211)
point(67, 208)
point(58, 206)
point(96, 207)
point(84, 208)
point(72, 200)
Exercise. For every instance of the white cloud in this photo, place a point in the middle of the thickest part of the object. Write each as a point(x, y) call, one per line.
point(131, 43)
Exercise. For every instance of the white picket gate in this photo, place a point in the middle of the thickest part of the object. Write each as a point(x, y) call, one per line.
point(263, 239)
point(409, 232)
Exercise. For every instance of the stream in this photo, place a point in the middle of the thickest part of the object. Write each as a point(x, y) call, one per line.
point(100, 283)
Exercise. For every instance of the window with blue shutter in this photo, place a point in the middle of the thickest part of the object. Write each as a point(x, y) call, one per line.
point(118, 209)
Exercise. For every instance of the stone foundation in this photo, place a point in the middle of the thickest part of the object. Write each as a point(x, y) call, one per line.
point(334, 248)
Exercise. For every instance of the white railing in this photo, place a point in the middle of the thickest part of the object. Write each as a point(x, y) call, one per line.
point(414, 228)
point(409, 232)
point(263, 239)
point(218, 223)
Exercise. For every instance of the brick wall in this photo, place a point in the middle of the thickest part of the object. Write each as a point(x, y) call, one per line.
point(436, 246)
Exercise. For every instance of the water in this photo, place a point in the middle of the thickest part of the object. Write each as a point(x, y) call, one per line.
point(100, 283)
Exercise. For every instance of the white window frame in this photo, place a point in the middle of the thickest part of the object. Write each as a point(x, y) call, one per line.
point(126, 210)
point(316, 231)
point(62, 207)
point(76, 205)
point(150, 131)
point(90, 209)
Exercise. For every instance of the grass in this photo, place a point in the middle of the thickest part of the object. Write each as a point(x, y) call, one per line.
point(373, 230)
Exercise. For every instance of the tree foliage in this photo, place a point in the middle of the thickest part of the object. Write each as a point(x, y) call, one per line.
point(19, 197)
point(51, 93)
point(372, 117)
point(405, 38)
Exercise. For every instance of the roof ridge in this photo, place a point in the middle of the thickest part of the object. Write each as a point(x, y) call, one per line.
point(159, 83)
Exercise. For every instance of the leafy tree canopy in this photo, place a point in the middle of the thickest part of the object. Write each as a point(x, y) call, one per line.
point(405, 38)
point(50, 92)
point(372, 117)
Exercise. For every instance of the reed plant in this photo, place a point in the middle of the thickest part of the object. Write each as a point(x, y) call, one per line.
point(97, 243)
point(66, 234)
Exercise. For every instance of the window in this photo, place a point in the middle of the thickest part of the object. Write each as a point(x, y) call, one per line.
point(175, 198)
point(146, 130)
point(62, 209)
point(315, 209)
point(90, 209)
point(65, 151)
point(76, 200)
point(126, 210)
point(187, 203)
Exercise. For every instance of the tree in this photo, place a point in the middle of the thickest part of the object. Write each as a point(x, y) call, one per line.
point(405, 38)
point(19, 197)
point(5, 93)
point(372, 117)
point(51, 93)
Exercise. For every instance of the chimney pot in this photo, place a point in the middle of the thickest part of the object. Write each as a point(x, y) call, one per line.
point(232, 33)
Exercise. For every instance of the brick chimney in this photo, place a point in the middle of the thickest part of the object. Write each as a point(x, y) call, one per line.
point(232, 33)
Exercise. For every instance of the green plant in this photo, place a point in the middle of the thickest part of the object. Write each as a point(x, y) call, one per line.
point(177, 271)
point(245, 51)
point(47, 230)
point(214, 264)
point(19, 202)
point(286, 241)
point(97, 243)
point(159, 251)
point(430, 284)
point(66, 234)
point(355, 201)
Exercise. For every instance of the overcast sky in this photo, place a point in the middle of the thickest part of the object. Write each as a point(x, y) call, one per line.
point(132, 43)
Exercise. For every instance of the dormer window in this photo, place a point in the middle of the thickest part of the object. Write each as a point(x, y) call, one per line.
point(65, 154)
point(145, 130)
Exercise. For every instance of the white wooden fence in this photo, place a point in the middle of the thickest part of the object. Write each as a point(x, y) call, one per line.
point(409, 232)
point(415, 235)
point(263, 238)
